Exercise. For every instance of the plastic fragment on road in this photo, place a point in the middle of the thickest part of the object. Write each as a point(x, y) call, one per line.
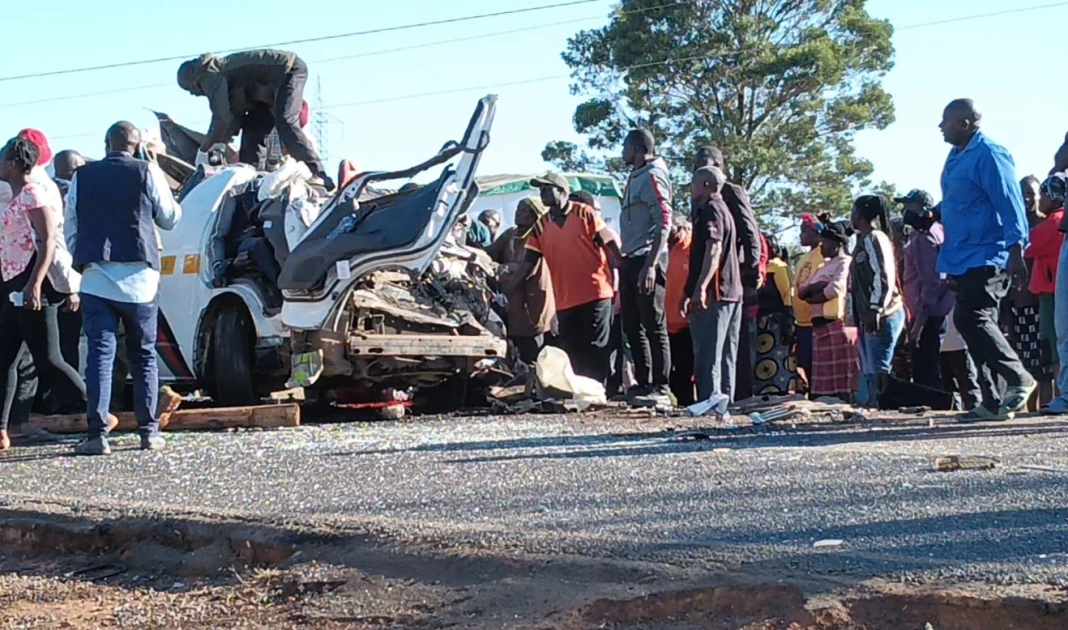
point(717, 404)
point(307, 368)
point(952, 463)
point(828, 544)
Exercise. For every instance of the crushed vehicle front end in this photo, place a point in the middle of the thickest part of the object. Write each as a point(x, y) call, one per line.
point(375, 294)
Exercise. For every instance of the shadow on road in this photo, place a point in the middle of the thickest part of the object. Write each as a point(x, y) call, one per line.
point(672, 443)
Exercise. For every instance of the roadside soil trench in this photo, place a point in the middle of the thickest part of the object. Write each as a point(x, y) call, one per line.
point(84, 571)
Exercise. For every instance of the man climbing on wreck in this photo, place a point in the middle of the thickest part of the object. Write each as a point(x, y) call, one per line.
point(252, 92)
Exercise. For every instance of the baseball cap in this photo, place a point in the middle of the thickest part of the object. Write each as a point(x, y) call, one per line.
point(554, 180)
point(917, 195)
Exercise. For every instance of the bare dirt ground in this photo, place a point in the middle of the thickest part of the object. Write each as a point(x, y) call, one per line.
point(37, 593)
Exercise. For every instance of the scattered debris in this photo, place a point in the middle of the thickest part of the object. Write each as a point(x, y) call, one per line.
point(828, 544)
point(952, 463)
point(717, 404)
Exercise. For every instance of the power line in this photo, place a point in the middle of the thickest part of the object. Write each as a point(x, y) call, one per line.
point(309, 40)
point(634, 67)
point(371, 53)
point(979, 16)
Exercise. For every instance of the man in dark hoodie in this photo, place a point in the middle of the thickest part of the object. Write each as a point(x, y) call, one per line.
point(242, 89)
point(644, 220)
point(750, 255)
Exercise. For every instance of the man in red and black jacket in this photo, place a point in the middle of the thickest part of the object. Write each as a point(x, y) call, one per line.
point(753, 259)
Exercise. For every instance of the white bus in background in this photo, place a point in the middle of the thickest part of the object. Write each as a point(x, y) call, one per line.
point(503, 192)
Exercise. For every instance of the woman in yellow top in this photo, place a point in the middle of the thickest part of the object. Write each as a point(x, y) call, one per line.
point(776, 367)
point(807, 267)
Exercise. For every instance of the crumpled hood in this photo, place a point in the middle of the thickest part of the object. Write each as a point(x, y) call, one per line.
point(656, 164)
point(190, 72)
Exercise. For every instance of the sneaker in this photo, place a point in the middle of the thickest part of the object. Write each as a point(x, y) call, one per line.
point(654, 397)
point(1016, 398)
point(322, 180)
point(93, 446)
point(982, 414)
point(154, 443)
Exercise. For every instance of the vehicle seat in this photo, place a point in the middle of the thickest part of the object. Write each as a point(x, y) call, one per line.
point(385, 224)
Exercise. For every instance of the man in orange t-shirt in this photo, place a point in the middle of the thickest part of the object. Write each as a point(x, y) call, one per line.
point(580, 253)
point(680, 239)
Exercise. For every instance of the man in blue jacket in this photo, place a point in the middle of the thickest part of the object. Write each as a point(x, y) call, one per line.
point(113, 209)
point(986, 231)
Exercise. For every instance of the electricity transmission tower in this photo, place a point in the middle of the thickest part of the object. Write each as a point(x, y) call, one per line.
point(323, 122)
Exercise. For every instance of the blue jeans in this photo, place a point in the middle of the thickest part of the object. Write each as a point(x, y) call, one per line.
point(877, 352)
point(100, 318)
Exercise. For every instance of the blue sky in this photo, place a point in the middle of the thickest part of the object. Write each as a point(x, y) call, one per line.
point(1006, 63)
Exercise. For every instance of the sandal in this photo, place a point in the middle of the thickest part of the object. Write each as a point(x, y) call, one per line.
point(1016, 398)
point(982, 414)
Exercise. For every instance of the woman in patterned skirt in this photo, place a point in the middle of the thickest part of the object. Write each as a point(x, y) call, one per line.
point(776, 365)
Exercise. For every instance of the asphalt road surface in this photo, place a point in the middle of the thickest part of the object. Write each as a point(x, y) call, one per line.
point(623, 487)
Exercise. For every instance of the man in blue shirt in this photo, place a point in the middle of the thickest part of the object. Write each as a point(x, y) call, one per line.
point(986, 231)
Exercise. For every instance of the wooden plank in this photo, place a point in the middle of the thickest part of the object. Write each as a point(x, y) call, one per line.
point(215, 419)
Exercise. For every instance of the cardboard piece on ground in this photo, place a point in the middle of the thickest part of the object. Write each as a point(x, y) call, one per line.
point(263, 416)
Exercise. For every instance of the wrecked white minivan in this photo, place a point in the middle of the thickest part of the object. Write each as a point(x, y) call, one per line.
point(265, 287)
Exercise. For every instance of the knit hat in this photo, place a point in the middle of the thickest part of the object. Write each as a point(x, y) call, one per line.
point(38, 139)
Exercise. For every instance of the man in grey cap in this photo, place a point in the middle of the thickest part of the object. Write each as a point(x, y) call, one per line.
point(926, 292)
point(581, 254)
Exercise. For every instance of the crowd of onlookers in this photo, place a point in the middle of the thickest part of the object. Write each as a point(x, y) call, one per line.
point(959, 304)
point(906, 301)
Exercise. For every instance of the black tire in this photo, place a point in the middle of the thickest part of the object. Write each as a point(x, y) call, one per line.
point(232, 359)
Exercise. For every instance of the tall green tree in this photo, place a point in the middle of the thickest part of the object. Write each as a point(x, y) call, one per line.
point(781, 86)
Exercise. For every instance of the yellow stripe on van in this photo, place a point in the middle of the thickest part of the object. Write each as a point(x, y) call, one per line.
point(167, 264)
point(191, 264)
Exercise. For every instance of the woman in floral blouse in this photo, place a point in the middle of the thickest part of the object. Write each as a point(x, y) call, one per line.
point(35, 286)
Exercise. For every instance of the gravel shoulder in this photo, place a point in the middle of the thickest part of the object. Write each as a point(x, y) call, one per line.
point(629, 506)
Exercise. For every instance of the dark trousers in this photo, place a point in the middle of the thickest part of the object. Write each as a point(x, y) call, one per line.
point(617, 357)
point(285, 117)
point(584, 335)
point(715, 333)
point(979, 294)
point(39, 330)
point(19, 400)
point(960, 378)
point(101, 320)
point(747, 341)
point(528, 348)
point(926, 356)
point(70, 337)
point(682, 367)
point(645, 324)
